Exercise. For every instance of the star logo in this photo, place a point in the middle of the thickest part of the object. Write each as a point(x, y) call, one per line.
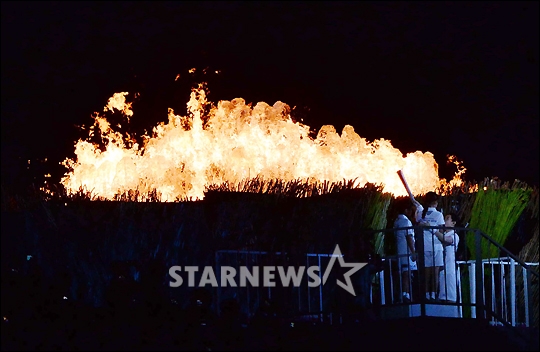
point(354, 268)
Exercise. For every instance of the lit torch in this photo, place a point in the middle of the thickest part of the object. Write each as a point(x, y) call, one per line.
point(419, 207)
point(406, 185)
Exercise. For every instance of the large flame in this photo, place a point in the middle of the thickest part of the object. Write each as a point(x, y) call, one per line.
point(231, 142)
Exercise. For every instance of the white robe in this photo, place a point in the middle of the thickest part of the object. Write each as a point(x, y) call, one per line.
point(449, 277)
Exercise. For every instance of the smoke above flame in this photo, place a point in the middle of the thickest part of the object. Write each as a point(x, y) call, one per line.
point(231, 142)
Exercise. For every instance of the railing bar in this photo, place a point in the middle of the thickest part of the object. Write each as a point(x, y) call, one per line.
point(513, 291)
point(400, 282)
point(472, 284)
point(320, 286)
point(504, 310)
point(308, 291)
point(526, 295)
point(248, 289)
point(381, 285)
point(489, 259)
point(217, 261)
point(493, 299)
point(458, 286)
point(482, 288)
point(299, 298)
point(391, 281)
point(371, 294)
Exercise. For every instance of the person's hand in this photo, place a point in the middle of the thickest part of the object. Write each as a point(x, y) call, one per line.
point(413, 257)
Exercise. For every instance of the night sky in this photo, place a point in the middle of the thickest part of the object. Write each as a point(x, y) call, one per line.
point(455, 78)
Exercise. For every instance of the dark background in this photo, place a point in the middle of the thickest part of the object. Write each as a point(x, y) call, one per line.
point(455, 78)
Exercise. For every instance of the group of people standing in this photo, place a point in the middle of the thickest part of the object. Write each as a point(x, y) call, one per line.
point(438, 250)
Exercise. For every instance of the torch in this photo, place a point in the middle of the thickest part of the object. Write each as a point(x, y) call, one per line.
point(404, 181)
point(419, 207)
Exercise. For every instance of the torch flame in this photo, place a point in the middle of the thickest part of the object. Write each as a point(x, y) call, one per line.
point(232, 142)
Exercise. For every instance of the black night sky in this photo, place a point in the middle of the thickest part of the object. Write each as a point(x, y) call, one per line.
point(455, 78)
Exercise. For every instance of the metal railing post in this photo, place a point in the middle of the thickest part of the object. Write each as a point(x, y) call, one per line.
point(527, 296)
point(493, 293)
point(513, 291)
point(419, 234)
point(529, 293)
point(472, 285)
point(218, 289)
point(320, 286)
point(480, 314)
point(381, 286)
point(307, 286)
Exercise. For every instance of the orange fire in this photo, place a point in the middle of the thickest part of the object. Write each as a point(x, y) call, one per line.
point(233, 142)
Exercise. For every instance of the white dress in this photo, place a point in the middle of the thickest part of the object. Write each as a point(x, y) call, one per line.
point(433, 248)
point(449, 277)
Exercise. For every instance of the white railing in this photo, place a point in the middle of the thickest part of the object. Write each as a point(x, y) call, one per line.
point(506, 290)
point(501, 291)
